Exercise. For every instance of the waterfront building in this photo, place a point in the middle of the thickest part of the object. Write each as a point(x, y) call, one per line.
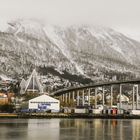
point(44, 102)
point(3, 99)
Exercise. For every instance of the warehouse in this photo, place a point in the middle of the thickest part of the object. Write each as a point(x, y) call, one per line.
point(44, 103)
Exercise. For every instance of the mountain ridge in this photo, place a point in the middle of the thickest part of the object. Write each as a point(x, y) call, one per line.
point(79, 50)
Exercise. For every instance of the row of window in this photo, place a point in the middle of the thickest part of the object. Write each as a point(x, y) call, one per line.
point(45, 102)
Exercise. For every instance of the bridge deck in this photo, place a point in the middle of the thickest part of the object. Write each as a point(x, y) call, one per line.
point(62, 91)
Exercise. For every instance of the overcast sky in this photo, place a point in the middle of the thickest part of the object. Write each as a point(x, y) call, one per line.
point(122, 15)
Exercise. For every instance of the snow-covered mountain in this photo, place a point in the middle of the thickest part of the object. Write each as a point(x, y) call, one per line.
point(92, 52)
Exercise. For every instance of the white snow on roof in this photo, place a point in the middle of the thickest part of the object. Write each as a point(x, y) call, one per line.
point(44, 98)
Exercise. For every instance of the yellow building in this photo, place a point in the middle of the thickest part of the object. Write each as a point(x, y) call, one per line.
point(3, 99)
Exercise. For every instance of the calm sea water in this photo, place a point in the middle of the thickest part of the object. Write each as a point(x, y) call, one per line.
point(69, 129)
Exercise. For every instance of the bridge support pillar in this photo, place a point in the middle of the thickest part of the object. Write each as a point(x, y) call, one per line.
point(88, 97)
point(111, 96)
point(63, 98)
point(73, 95)
point(83, 98)
point(69, 98)
point(120, 96)
point(66, 98)
point(73, 98)
point(103, 96)
point(137, 96)
point(95, 98)
point(78, 98)
point(133, 98)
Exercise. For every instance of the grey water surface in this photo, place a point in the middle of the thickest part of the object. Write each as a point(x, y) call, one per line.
point(69, 129)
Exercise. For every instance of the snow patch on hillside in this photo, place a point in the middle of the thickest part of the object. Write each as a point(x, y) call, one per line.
point(52, 34)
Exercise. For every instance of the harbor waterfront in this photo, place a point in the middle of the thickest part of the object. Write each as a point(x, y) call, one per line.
point(66, 115)
point(76, 129)
point(116, 99)
point(69, 70)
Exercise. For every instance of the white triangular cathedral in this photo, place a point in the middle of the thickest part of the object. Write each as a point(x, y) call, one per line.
point(33, 83)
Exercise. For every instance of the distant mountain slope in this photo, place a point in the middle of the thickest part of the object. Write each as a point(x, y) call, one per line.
point(90, 51)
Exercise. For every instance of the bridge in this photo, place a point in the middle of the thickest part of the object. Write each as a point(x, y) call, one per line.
point(76, 95)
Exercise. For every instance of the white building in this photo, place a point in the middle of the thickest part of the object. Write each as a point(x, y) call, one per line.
point(33, 83)
point(44, 102)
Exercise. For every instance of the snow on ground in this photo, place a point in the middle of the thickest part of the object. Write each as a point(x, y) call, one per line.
point(51, 32)
point(5, 78)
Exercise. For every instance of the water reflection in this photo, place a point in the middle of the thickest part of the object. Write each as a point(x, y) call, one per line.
point(43, 128)
point(100, 129)
point(136, 129)
point(12, 129)
point(70, 129)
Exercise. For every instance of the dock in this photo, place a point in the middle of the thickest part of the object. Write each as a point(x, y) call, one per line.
point(77, 115)
point(8, 115)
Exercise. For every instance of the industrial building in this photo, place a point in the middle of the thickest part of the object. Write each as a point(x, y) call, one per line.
point(44, 103)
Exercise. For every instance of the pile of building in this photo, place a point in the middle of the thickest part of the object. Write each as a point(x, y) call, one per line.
point(5, 94)
point(42, 102)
